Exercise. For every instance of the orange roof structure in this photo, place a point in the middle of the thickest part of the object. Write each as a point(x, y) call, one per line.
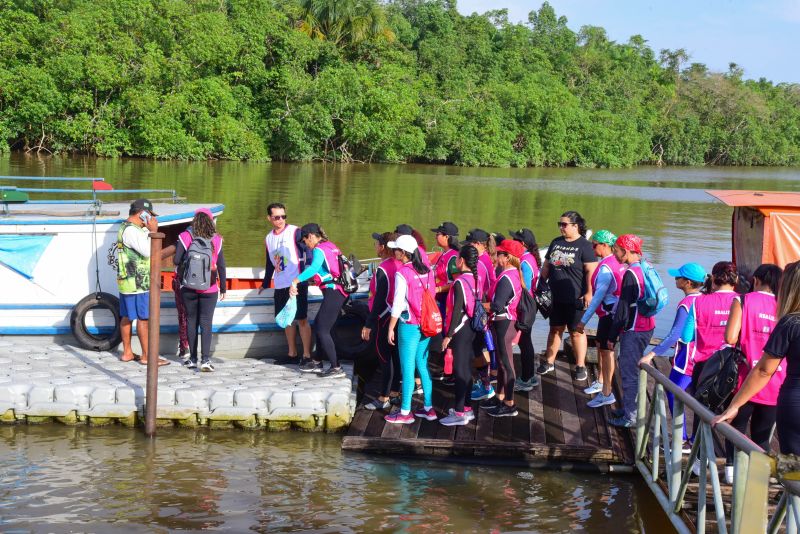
point(758, 199)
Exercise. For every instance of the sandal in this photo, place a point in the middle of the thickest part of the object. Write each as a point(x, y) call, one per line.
point(135, 358)
point(161, 362)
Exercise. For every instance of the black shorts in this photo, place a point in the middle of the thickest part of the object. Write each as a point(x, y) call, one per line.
point(282, 297)
point(603, 330)
point(565, 314)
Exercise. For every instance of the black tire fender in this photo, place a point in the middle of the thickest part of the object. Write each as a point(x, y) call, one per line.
point(346, 332)
point(77, 322)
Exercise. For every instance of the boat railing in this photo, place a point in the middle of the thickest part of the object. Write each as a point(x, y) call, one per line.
point(99, 188)
point(659, 438)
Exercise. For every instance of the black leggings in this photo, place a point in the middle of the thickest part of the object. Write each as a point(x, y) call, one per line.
point(463, 353)
point(762, 421)
point(199, 314)
point(526, 355)
point(332, 301)
point(504, 332)
point(388, 357)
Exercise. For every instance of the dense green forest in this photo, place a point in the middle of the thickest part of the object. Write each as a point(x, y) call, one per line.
point(362, 80)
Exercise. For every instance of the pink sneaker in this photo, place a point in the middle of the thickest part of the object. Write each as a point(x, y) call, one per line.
point(430, 415)
point(399, 418)
point(468, 413)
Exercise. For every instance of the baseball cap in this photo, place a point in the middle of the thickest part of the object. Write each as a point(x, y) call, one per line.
point(404, 229)
point(525, 235)
point(630, 242)
point(476, 235)
point(206, 211)
point(509, 246)
point(310, 228)
point(377, 236)
point(605, 237)
point(446, 228)
point(690, 271)
point(404, 242)
point(142, 204)
point(498, 237)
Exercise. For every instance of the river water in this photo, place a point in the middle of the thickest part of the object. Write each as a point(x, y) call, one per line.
point(60, 479)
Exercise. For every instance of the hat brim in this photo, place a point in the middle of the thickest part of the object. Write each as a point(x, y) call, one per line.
point(675, 273)
point(377, 237)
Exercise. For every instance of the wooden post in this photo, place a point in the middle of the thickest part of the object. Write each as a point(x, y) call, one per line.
point(154, 328)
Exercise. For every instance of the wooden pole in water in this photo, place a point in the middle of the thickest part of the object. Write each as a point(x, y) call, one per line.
point(154, 329)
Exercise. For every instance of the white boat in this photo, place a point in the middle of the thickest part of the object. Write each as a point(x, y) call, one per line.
point(57, 280)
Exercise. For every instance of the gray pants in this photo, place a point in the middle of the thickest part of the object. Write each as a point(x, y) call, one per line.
point(631, 349)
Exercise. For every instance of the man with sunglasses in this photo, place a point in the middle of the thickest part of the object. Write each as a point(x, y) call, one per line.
point(286, 257)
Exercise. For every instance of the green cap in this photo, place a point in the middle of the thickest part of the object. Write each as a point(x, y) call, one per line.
point(604, 236)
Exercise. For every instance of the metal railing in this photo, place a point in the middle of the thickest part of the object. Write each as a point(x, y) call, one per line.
point(659, 439)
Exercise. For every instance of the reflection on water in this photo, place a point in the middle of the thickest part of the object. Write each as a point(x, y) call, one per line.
point(61, 479)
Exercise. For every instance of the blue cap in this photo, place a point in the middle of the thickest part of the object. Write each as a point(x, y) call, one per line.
point(690, 271)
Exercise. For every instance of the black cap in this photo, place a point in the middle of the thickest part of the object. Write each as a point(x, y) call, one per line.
point(446, 228)
point(379, 238)
point(310, 228)
point(142, 204)
point(404, 229)
point(498, 237)
point(524, 235)
point(476, 235)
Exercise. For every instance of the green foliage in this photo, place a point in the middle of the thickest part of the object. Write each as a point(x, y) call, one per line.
point(367, 80)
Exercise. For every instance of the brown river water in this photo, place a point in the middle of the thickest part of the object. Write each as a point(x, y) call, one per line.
point(62, 479)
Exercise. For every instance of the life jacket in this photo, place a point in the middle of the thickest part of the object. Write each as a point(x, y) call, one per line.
point(617, 271)
point(467, 283)
point(389, 267)
point(442, 276)
point(640, 323)
point(758, 321)
point(133, 269)
point(425, 258)
point(486, 274)
point(416, 285)
point(531, 261)
point(216, 242)
point(510, 311)
point(711, 313)
point(686, 346)
point(331, 252)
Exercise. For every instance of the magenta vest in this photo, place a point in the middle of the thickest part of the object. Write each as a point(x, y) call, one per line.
point(389, 268)
point(510, 312)
point(331, 252)
point(417, 284)
point(711, 313)
point(216, 245)
point(442, 277)
point(683, 361)
point(759, 318)
point(531, 261)
point(468, 286)
point(617, 271)
point(486, 274)
point(640, 324)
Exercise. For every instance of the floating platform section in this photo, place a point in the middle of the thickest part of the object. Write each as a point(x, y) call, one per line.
point(43, 383)
point(554, 429)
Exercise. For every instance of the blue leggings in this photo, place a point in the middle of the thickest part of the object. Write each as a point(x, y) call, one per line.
point(682, 381)
point(413, 348)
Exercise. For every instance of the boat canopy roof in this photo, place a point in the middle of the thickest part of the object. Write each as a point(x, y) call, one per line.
point(790, 201)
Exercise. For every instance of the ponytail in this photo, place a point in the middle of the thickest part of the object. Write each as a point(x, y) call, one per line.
point(453, 243)
point(469, 254)
point(514, 261)
point(418, 264)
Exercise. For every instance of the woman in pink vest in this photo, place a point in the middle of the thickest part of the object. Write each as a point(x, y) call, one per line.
point(324, 269)
point(484, 243)
point(381, 294)
point(505, 294)
point(412, 280)
point(200, 305)
point(459, 335)
point(447, 239)
point(752, 319)
point(530, 263)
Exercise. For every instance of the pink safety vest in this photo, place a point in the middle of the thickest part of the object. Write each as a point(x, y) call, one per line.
point(216, 246)
point(531, 261)
point(711, 314)
point(486, 274)
point(467, 283)
point(617, 271)
point(512, 274)
point(442, 277)
point(759, 318)
point(331, 252)
point(389, 267)
point(683, 360)
point(640, 324)
point(416, 285)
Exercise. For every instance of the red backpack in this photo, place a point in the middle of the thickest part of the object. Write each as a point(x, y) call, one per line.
point(430, 321)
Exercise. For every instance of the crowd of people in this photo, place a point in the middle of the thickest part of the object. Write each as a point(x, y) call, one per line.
point(476, 286)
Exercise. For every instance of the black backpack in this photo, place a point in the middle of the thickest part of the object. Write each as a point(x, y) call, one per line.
point(719, 378)
point(346, 278)
point(526, 312)
point(479, 319)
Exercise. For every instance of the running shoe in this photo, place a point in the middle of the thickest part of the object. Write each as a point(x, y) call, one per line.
point(206, 367)
point(190, 364)
point(503, 410)
point(377, 404)
point(686, 448)
point(430, 415)
point(182, 353)
point(545, 368)
point(728, 473)
point(619, 412)
point(395, 401)
point(331, 372)
point(488, 404)
point(580, 373)
point(398, 418)
point(289, 360)
point(485, 392)
point(526, 385)
point(455, 419)
point(418, 390)
point(596, 387)
point(310, 366)
point(469, 413)
point(622, 422)
point(601, 400)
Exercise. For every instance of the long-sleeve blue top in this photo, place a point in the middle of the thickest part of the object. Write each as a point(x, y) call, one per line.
point(602, 293)
point(527, 276)
point(678, 327)
point(317, 266)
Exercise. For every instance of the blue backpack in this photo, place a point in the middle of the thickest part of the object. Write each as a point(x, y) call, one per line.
point(655, 294)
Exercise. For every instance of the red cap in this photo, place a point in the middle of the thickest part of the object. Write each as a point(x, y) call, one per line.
point(514, 248)
point(630, 242)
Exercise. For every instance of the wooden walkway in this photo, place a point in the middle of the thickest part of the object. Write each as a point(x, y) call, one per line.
point(554, 429)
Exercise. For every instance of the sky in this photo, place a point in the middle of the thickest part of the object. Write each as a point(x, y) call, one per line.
point(763, 37)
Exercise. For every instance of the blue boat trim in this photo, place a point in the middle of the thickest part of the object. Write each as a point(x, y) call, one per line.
point(171, 329)
point(89, 220)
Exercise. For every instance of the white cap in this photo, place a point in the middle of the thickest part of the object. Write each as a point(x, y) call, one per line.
point(404, 242)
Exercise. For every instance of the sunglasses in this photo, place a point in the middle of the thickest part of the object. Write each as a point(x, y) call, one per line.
point(563, 224)
point(277, 217)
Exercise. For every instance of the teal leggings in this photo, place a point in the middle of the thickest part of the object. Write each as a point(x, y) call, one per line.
point(413, 352)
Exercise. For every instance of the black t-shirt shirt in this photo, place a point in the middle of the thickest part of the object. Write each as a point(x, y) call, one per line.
point(567, 279)
point(784, 342)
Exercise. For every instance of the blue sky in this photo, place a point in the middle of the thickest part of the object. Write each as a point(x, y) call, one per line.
point(762, 37)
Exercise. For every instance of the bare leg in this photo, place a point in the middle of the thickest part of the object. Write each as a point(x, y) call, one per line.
point(607, 357)
point(601, 365)
point(291, 339)
point(125, 331)
point(579, 346)
point(554, 342)
point(305, 336)
point(142, 332)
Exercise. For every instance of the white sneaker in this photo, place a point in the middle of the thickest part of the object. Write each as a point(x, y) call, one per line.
point(601, 400)
point(596, 387)
point(729, 474)
point(454, 419)
point(696, 467)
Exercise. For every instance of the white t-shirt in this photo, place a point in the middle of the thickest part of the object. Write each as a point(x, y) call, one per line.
point(282, 252)
point(137, 238)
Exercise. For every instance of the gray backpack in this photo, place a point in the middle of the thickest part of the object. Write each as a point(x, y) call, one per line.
point(197, 264)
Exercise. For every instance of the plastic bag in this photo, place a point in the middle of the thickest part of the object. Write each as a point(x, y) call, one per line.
point(286, 315)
